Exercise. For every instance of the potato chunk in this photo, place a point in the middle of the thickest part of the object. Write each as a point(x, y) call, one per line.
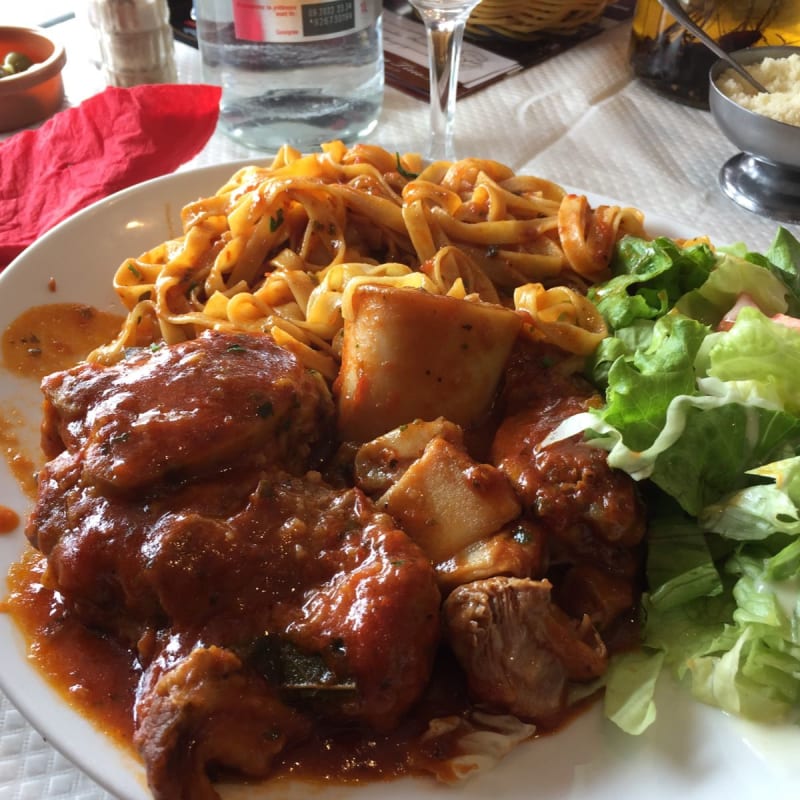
point(408, 355)
point(379, 463)
point(445, 501)
point(517, 551)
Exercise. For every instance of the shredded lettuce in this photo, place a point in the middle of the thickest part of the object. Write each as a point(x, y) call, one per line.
point(628, 699)
point(709, 421)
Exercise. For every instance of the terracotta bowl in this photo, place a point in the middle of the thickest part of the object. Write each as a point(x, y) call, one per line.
point(38, 92)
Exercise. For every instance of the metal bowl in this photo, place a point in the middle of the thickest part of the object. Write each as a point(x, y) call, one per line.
point(765, 176)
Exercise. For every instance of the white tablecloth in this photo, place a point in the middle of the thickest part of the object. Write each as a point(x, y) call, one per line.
point(578, 119)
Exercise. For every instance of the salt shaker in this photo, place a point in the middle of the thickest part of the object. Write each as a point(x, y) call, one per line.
point(135, 38)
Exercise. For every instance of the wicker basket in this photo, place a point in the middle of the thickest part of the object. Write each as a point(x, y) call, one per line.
point(529, 19)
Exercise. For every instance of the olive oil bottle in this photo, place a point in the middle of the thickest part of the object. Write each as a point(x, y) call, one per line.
point(674, 63)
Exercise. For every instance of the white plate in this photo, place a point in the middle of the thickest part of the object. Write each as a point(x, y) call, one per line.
point(690, 752)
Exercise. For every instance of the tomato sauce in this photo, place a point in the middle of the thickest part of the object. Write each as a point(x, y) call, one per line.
point(99, 678)
point(21, 465)
point(55, 336)
point(92, 673)
point(9, 519)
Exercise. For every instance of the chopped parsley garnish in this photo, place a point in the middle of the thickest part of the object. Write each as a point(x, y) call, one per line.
point(276, 221)
point(403, 171)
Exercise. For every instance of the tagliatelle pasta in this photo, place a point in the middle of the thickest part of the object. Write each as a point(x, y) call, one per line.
point(280, 249)
point(560, 315)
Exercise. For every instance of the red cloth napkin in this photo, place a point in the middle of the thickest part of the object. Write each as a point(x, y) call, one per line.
point(110, 141)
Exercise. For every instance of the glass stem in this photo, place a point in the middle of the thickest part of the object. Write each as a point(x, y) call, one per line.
point(445, 32)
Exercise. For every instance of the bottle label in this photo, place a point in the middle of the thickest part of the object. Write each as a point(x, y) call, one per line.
point(300, 21)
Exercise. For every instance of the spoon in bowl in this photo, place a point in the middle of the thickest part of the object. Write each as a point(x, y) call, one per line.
point(674, 8)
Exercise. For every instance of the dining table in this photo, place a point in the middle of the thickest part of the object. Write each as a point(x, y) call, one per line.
point(579, 118)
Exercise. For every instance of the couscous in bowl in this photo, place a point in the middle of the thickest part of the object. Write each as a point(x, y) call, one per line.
point(765, 176)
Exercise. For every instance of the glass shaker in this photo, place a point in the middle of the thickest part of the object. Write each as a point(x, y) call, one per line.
point(135, 39)
point(674, 63)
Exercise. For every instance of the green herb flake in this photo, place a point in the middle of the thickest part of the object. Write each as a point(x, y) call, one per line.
point(403, 171)
point(276, 221)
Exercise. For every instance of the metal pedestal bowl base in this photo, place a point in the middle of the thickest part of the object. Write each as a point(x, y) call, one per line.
point(763, 187)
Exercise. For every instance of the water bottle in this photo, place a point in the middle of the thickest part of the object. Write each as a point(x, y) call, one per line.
point(297, 72)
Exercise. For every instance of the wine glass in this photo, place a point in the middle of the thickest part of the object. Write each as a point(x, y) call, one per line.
point(445, 21)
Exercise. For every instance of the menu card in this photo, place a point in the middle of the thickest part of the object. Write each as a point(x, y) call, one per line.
point(483, 61)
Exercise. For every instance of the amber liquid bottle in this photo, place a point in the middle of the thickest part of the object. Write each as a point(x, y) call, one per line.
point(674, 63)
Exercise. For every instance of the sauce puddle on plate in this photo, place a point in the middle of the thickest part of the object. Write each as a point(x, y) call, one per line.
point(55, 336)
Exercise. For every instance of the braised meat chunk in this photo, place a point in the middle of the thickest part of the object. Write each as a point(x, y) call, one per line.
point(209, 712)
point(518, 649)
point(593, 515)
point(202, 556)
point(184, 410)
point(568, 483)
point(308, 575)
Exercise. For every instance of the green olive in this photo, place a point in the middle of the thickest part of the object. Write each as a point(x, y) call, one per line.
point(15, 62)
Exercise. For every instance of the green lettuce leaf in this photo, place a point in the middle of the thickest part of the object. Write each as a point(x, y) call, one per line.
point(759, 351)
point(731, 277)
point(630, 687)
point(711, 421)
point(650, 276)
point(680, 567)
